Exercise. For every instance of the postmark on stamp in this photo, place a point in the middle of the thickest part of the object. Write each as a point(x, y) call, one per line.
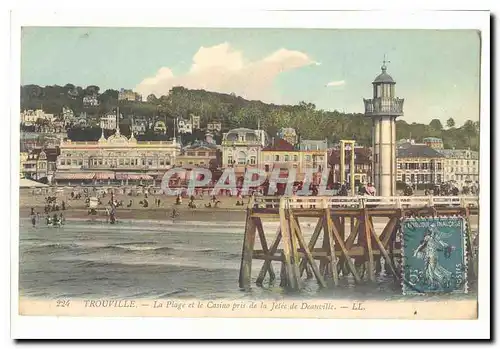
point(434, 255)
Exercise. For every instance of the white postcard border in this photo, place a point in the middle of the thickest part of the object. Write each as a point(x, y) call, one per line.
point(52, 327)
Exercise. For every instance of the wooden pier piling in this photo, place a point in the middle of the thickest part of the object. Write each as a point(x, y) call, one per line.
point(357, 251)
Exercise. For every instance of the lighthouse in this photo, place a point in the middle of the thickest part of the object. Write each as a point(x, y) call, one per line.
point(383, 109)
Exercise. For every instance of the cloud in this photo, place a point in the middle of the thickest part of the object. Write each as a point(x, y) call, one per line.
point(221, 68)
point(335, 83)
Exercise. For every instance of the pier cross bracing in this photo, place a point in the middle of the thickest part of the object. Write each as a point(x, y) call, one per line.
point(345, 240)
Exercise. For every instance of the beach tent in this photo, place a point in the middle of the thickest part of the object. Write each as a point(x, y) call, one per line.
point(28, 183)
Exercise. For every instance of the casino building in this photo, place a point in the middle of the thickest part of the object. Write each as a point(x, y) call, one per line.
point(115, 160)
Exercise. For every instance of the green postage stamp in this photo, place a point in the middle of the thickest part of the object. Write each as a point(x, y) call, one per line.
point(434, 255)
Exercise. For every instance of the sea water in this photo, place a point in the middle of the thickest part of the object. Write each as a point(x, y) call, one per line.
point(157, 260)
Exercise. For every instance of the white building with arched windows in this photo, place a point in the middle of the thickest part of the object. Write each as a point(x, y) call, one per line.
point(241, 148)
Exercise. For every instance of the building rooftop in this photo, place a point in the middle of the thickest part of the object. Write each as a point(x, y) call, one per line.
point(432, 139)
point(384, 77)
point(458, 153)
point(417, 151)
point(280, 145)
point(313, 144)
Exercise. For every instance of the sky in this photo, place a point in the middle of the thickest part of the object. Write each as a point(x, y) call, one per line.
point(436, 71)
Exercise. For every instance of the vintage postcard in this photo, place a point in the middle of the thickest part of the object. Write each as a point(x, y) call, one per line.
point(251, 170)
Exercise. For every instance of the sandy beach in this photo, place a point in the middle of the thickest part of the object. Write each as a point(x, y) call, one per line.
point(227, 209)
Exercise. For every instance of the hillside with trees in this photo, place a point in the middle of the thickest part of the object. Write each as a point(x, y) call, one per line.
point(234, 111)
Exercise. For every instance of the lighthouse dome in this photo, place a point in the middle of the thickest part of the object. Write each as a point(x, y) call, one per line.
point(384, 77)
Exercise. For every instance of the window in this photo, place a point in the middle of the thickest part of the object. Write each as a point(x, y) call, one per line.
point(403, 178)
point(191, 153)
point(252, 160)
point(295, 158)
point(121, 162)
point(439, 178)
point(229, 159)
point(150, 162)
point(425, 166)
point(399, 165)
point(308, 157)
point(438, 165)
point(242, 158)
point(202, 153)
point(287, 158)
point(127, 161)
point(80, 162)
point(276, 158)
point(162, 162)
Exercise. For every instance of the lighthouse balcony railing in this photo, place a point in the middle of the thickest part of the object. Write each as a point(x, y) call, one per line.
point(313, 202)
point(384, 106)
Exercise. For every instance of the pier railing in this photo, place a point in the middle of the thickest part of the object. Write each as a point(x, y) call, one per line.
point(308, 202)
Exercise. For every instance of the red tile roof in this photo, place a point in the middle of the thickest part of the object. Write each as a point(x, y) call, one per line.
point(279, 145)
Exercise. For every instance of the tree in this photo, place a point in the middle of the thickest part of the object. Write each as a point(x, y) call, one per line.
point(450, 123)
point(469, 130)
point(436, 124)
point(92, 90)
point(476, 126)
point(152, 98)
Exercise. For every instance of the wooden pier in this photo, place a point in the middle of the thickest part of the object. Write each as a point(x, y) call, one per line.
point(345, 240)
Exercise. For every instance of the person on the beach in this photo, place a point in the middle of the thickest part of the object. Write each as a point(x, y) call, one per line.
point(370, 189)
point(33, 220)
point(54, 219)
point(158, 202)
point(61, 218)
point(174, 214)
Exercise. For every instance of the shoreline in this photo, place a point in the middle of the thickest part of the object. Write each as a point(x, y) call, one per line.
point(163, 214)
point(159, 214)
